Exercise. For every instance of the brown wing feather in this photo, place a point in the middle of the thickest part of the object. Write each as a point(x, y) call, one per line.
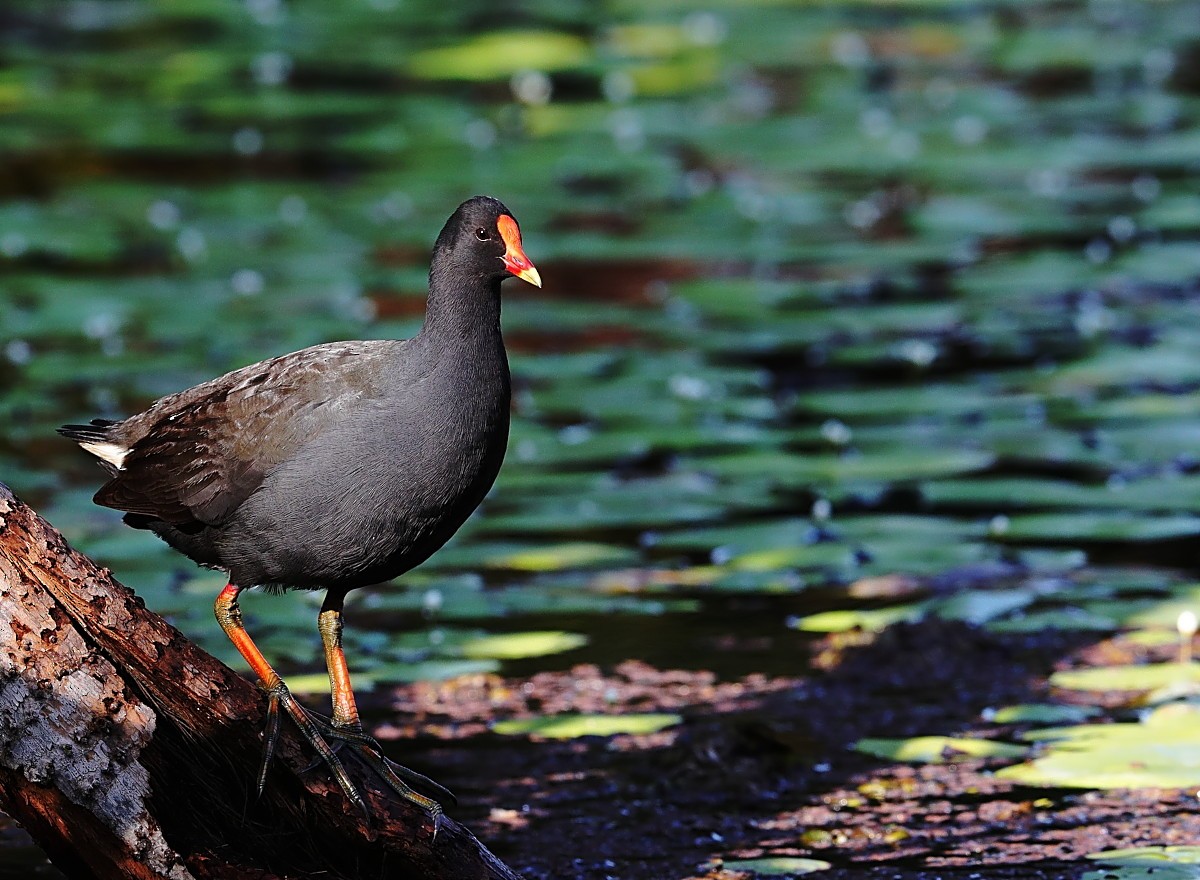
point(195, 456)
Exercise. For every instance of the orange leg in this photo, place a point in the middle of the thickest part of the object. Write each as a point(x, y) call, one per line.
point(329, 624)
point(346, 725)
point(229, 615)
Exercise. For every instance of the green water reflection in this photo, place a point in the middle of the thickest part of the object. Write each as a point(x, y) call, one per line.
point(831, 291)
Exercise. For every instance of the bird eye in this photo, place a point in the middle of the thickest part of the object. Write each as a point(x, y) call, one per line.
point(482, 234)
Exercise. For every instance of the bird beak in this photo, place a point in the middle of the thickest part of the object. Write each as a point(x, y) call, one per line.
point(514, 258)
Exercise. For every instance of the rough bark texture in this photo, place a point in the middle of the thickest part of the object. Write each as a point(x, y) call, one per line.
point(127, 752)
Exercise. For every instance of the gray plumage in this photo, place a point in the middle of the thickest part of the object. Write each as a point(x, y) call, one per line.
point(339, 465)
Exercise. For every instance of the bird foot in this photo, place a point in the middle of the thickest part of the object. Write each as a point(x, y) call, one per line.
point(278, 695)
point(320, 733)
point(414, 787)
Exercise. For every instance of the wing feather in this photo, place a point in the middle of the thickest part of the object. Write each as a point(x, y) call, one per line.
point(193, 457)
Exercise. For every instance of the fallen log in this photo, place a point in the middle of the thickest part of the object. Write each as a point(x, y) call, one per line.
point(128, 752)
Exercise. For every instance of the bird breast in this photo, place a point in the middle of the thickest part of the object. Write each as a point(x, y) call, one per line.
point(379, 494)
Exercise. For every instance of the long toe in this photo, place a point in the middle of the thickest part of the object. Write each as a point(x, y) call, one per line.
point(422, 783)
point(411, 785)
point(311, 728)
point(329, 739)
point(408, 783)
point(270, 738)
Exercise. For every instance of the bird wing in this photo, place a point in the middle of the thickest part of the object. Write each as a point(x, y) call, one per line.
point(192, 458)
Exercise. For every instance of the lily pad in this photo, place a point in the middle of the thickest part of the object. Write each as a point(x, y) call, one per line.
point(393, 672)
point(515, 646)
point(1163, 751)
point(938, 749)
point(1150, 855)
point(776, 866)
point(1134, 677)
point(531, 557)
point(430, 670)
point(870, 467)
point(1093, 527)
point(1078, 619)
point(1040, 713)
point(498, 55)
point(982, 606)
point(318, 683)
point(866, 619)
point(573, 726)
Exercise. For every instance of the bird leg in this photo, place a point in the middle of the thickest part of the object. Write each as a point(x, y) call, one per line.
point(346, 727)
point(229, 615)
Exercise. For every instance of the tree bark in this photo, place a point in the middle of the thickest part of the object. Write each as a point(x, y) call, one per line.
point(127, 752)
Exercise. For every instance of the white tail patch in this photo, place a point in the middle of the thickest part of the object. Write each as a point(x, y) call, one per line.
point(110, 452)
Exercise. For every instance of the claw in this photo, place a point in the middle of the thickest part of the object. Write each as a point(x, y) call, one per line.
point(345, 727)
point(319, 733)
point(279, 694)
point(368, 750)
point(270, 738)
point(442, 795)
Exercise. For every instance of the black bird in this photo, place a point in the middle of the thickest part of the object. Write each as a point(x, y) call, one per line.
point(333, 467)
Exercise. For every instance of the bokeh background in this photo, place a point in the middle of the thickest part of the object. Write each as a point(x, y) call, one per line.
point(832, 292)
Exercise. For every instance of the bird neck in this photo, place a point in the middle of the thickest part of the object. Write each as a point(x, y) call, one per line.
point(462, 309)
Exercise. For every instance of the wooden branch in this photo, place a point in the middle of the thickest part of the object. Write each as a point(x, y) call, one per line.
point(127, 752)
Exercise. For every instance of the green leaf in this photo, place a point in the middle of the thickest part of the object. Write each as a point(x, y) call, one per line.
point(562, 556)
point(1149, 855)
point(572, 726)
point(982, 606)
point(938, 749)
point(1080, 619)
point(430, 670)
point(393, 672)
point(1163, 751)
point(1134, 677)
point(1108, 527)
point(866, 619)
point(776, 866)
point(318, 683)
point(519, 556)
point(515, 646)
point(500, 55)
point(1040, 713)
point(873, 466)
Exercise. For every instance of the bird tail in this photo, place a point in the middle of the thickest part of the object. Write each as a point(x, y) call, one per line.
point(96, 431)
point(96, 437)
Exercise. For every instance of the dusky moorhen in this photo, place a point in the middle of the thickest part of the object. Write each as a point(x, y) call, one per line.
point(333, 467)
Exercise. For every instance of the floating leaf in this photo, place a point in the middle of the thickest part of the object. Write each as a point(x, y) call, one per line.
point(394, 672)
point(776, 866)
point(866, 619)
point(981, 606)
point(498, 55)
point(1151, 638)
point(1163, 751)
point(1109, 527)
point(1134, 677)
point(883, 465)
point(560, 556)
point(938, 749)
point(519, 556)
point(1155, 871)
point(1080, 619)
point(515, 646)
point(572, 726)
point(430, 670)
point(318, 683)
point(1040, 713)
point(1149, 855)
